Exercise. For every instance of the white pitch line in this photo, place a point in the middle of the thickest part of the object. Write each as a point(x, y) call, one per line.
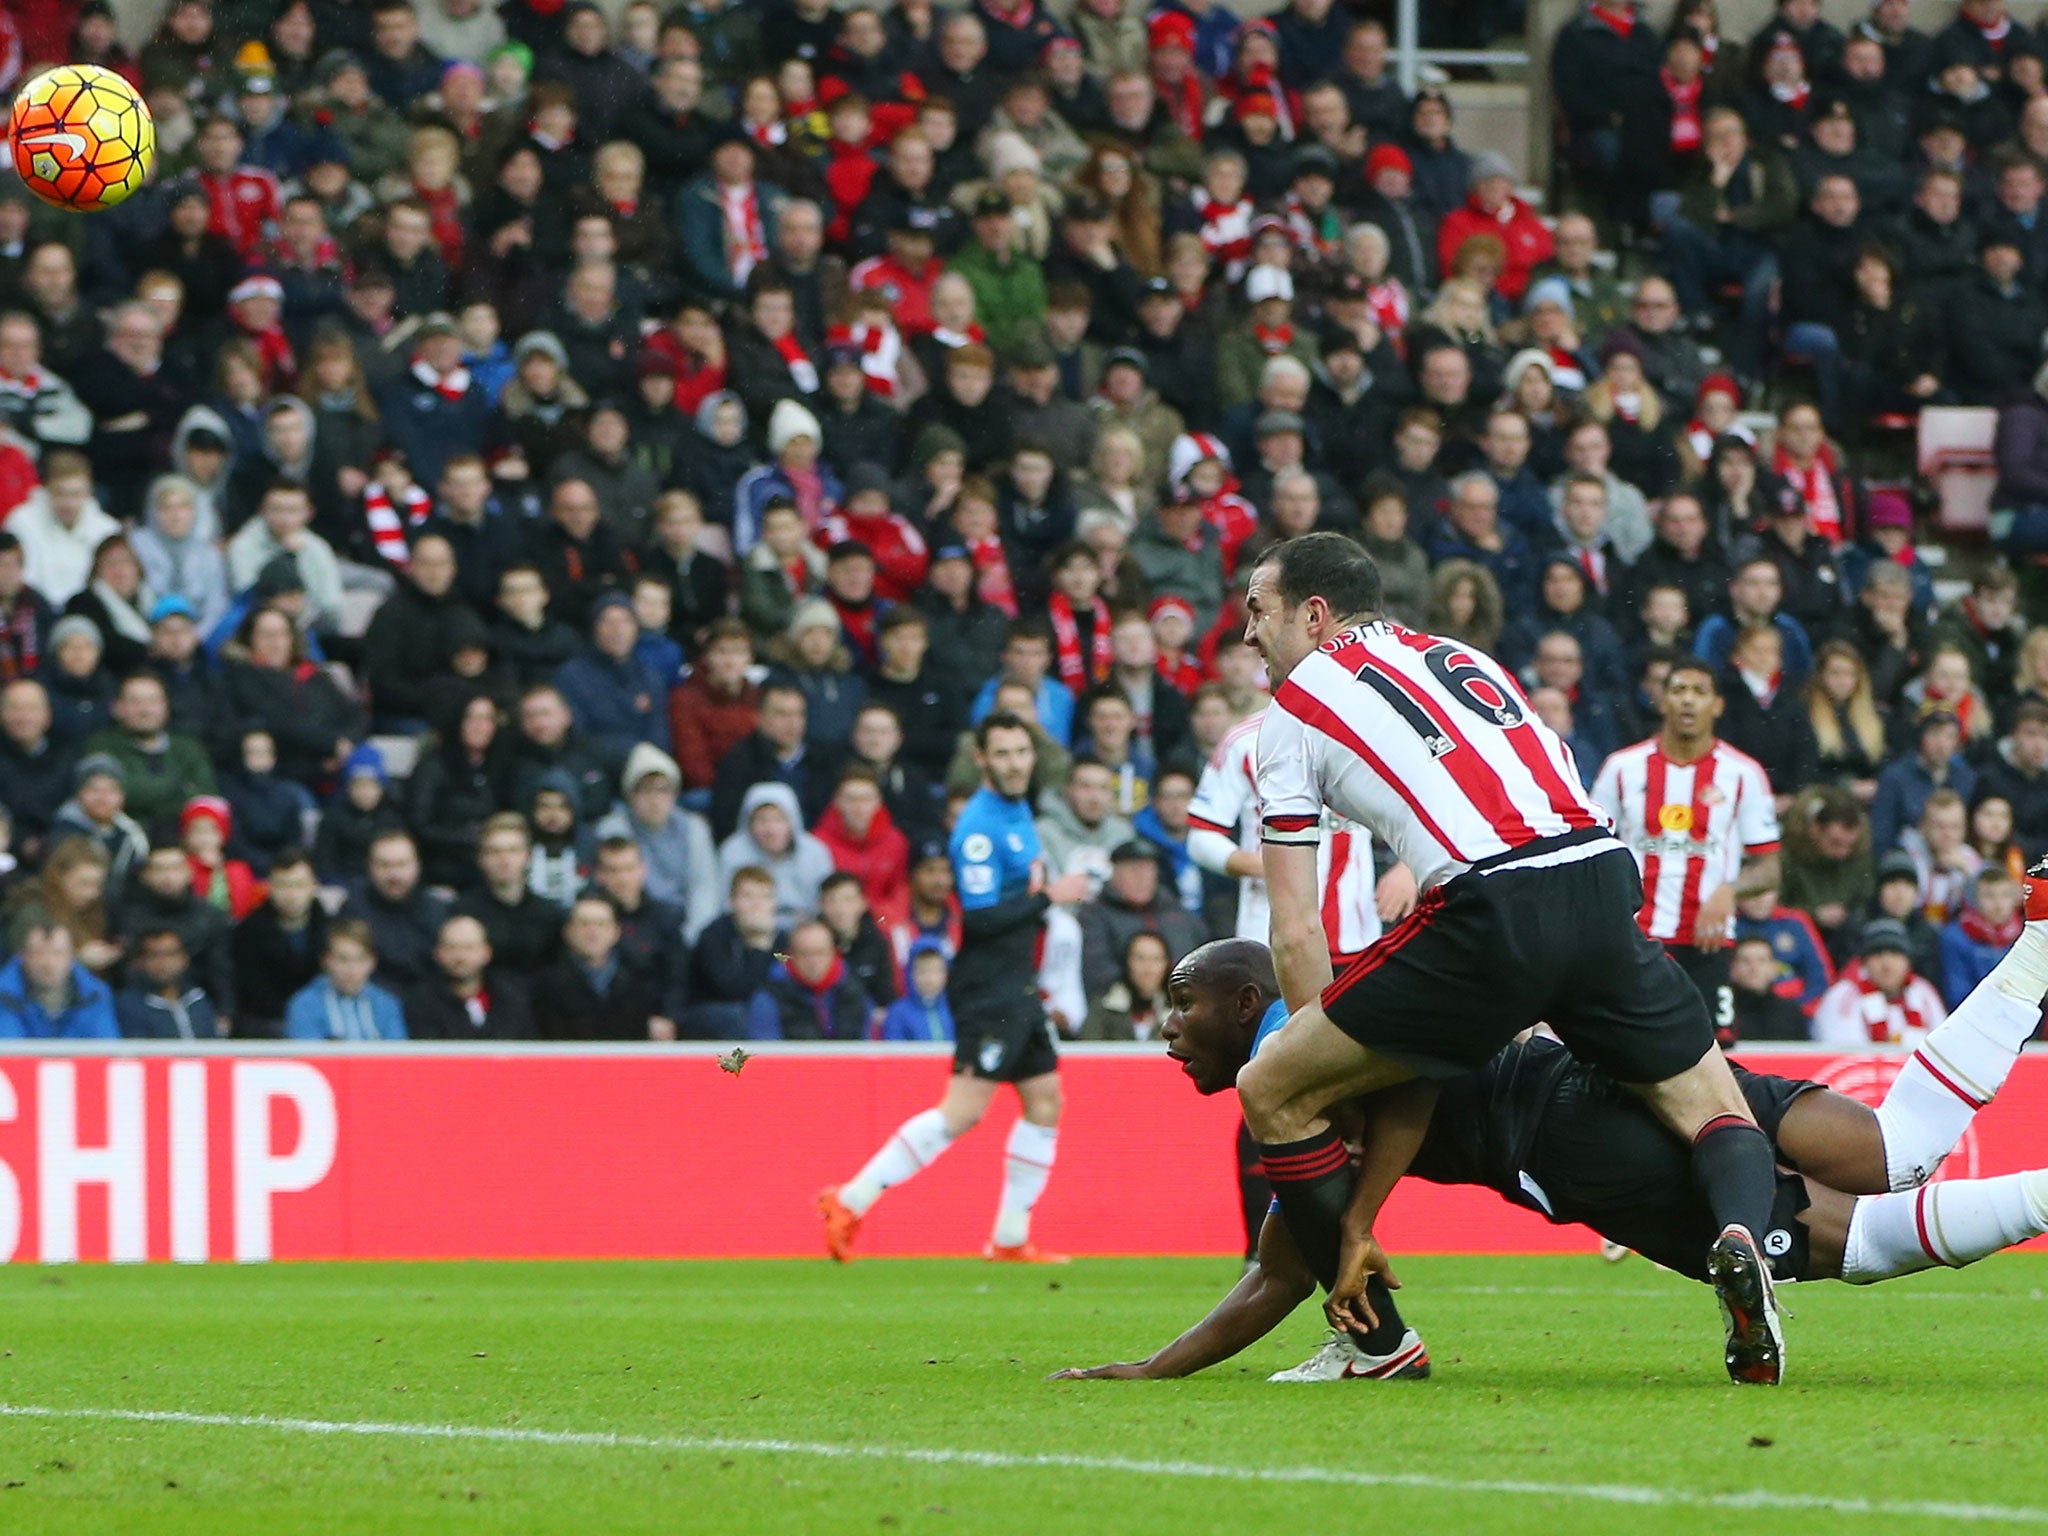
point(1599, 1493)
point(1865, 1294)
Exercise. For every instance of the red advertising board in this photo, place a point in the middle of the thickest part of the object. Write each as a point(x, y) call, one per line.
point(421, 1154)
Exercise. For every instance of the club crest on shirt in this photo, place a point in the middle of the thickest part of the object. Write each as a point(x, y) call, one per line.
point(1675, 818)
point(976, 847)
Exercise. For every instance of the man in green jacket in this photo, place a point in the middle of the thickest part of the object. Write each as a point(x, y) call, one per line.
point(163, 769)
point(1009, 287)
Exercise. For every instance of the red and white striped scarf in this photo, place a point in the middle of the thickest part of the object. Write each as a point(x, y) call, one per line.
point(746, 241)
point(1387, 302)
point(450, 386)
point(992, 575)
point(801, 368)
point(1887, 1019)
point(881, 351)
point(1226, 231)
point(1685, 112)
point(974, 335)
point(1076, 671)
point(1567, 373)
point(1816, 488)
point(1183, 102)
point(388, 529)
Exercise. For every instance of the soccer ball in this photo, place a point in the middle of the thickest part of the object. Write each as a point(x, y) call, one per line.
point(83, 139)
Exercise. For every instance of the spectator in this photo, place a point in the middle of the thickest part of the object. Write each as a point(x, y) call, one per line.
point(678, 863)
point(864, 840)
point(2017, 772)
point(1828, 864)
point(344, 1004)
point(46, 994)
point(1943, 861)
point(592, 991)
point(281, 529)
point(1754, 599)
point(38, 770)
point(524, 930)
point(160, 1002)
point(563, 845)
point(775, 752)
point(224, 883)
point(1131, 901)
point(1761, 1011)
point(733, 956)
point(1079, 830)
point(652, 934)
point(402, 917)
point(413, 629)
point(1801, 969)
point(1135, 1003)
point(161, 769)
point(523, 635)
point(1908, 779)
point(1765, 717)
point(549, 743)
point(277, 947)
point(1900, 899)
point(179, 564)
point(61, 527)
point(816, 660)
point(862, 945)
point(1847, 727)
point(613, 694)
point(811, 996)
point(1884, 1002)
point(771, 837)
point(1980, 933)
point(466, 997)
point(922, 1013)
point(1995, 308)
point(579, 559)
point(97, 812)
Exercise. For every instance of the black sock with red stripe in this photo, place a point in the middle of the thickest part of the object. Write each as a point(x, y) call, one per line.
point(1312, 1181)
point(1253, 1192)
point(1734, 1168)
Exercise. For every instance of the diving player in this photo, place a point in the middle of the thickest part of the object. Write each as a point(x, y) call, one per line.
point(1555, 1136)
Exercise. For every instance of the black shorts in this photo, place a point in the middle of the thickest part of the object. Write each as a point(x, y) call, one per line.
point(1708, 971)
point(1484, 956)
point(1604, 1160)
point(1004, 1045)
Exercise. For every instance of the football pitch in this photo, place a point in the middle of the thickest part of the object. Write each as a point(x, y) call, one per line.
point(909, 1396)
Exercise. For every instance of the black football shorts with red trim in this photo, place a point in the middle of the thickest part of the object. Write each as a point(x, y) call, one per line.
point(1488, 954)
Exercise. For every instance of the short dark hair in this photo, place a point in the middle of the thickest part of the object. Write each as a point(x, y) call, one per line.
point(1694, 664)
point(842, 877)
point(1001, 720)
point(1326, 565)
point(291, 858)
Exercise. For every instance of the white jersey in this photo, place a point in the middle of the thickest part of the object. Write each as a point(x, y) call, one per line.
point(1431, 745)
point(1690, 826)
point(1226, 805)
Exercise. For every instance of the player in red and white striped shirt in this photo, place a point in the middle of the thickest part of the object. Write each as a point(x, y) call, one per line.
point(1528, 914)
point(1224, 838)
point(1699, 817)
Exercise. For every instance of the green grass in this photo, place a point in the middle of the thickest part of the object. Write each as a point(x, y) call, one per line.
point(1555, 1372)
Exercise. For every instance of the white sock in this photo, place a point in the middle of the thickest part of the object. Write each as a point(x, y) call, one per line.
point(1027, 1164)
point(1962, 1064)
point(904, 1155)
point(1956, 1222)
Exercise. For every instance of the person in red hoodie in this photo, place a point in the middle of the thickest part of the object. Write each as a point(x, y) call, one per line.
point(717, 705)
point(1491, 208)
point(865, 841)
point(865, 516)
point(218, 880)
point(850, 162)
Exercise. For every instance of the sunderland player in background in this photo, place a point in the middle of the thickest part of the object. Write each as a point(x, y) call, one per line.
point(1527, 914)
point(1223, 838)
point(1557, 1137)
point(1699, 817)
point(1002, 1035)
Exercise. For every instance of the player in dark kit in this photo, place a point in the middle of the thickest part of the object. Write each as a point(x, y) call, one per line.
point(1555, 1136)
point(1001, 1028)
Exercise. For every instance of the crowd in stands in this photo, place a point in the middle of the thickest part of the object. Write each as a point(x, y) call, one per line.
point(506, 535)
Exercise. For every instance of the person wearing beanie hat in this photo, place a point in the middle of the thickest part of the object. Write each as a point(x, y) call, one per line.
point(1491, 208)
point(76, 679)
point(614, 695)
point(795, 474)
point(1882, 1000)
point(372, 131)
point(97, 811)
point(1388, 201)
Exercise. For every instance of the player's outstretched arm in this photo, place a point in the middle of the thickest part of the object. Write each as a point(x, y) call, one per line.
point(1256, 1305)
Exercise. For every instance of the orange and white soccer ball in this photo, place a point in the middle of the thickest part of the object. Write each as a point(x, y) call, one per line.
point(82, 137)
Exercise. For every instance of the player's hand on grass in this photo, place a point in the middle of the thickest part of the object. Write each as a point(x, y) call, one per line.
point(1360, 1259)
point(1129, 1370)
